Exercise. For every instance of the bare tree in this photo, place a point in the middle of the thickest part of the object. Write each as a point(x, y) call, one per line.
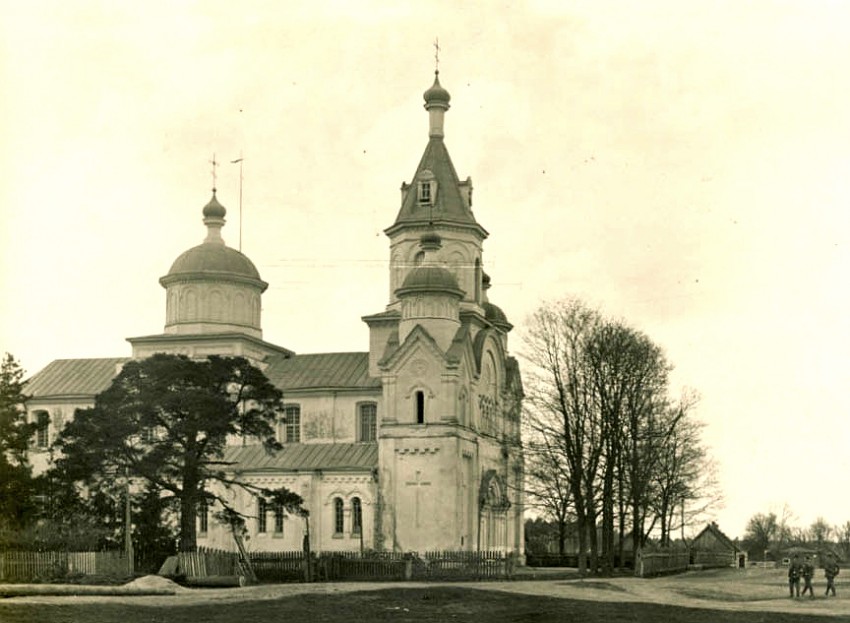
point(561, 415)
point(760, 533)
point(685, 481)
point(820, 531)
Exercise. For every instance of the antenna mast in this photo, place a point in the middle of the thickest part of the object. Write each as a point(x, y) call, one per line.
point(239, 160)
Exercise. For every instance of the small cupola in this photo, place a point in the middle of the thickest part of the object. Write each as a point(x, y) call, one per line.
point(430, 296)
point(436, 103)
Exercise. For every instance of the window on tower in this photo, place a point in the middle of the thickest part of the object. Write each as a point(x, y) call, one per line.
point(420, 407)
point(425, 192)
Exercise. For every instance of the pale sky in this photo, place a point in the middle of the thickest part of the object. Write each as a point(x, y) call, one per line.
point(682, 165)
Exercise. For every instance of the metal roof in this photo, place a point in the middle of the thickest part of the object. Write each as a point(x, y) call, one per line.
point(304, 456)
point(89, 377)
point(322, 371)
point(74, 377)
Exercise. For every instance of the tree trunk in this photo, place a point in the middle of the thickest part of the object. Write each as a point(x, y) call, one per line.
point(188, 527)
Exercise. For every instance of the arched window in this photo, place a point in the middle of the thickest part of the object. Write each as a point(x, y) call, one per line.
point(278, 519)
point(262, 508)
point(477, 280)
point(356, 516)
point(419, 258)
point(339, 516)
point(203, 515)
point(367, 421)
point(420, 407)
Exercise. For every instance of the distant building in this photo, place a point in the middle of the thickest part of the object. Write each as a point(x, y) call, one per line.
point(411, 445)
point(711, 547)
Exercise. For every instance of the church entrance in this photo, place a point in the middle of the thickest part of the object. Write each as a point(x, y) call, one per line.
point(493, 513)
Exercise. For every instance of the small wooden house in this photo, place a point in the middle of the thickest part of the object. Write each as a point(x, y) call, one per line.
point(712, 548)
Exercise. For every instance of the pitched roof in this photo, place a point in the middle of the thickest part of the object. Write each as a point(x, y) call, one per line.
point(74, 377)
point(304, 456)
point(719, 536)
point(449, 205)
point(322, 371)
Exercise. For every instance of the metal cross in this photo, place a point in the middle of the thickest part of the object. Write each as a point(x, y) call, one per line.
point(437, 54)
point(214, 165)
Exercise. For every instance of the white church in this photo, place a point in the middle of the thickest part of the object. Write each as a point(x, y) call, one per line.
point(413, 445)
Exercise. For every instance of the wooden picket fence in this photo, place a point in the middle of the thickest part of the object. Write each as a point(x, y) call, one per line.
point(206, 562)
point(661, 562)
point(278, 566)
point(292, 566)
point(47, 566)
point(463, 565)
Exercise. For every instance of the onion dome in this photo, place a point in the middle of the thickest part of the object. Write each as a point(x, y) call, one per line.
point(214, 209)
point(436, 94)
point(430, 279)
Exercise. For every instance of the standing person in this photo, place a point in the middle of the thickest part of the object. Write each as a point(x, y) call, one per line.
point(808, 574)
point(794, 570)
point(830, 570)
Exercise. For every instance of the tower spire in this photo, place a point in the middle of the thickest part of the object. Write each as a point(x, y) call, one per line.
point(437, 55)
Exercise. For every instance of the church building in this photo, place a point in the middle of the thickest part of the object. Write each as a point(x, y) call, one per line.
point(413, 445)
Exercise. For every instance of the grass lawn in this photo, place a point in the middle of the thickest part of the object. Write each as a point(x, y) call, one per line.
point(437, 603)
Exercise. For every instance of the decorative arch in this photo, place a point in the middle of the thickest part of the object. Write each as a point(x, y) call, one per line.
point(493, 505)
point(190, 307)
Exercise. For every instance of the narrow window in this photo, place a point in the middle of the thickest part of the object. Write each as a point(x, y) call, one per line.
point(356, 516)
point(278, 519)
point(338, 516)
point(262, 507)
point(425, 192)
point(368, 421)
point(42, 436)
point(420, 407)
point(203, 515)
point(292, 423)
point(477, 280)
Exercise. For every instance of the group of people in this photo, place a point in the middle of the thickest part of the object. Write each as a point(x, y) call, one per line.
point(806, 571)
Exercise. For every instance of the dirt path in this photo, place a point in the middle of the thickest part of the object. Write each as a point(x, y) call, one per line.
point(750, 590)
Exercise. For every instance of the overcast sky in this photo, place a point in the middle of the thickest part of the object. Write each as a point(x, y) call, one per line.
point(684, 166)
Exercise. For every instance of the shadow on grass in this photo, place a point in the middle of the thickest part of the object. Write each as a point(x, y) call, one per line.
point(715, 595)
point(392, 604)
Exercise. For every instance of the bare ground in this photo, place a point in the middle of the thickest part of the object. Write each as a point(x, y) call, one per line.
point(761, 593)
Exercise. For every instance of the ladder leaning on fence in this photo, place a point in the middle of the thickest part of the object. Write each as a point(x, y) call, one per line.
point(243, 562)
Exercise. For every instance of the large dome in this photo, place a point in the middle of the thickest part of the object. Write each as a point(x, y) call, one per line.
point(213, 260)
